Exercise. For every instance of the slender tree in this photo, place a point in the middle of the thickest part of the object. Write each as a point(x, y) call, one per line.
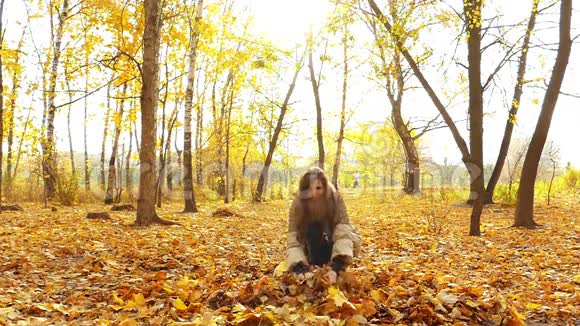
point(85, 121)
point(1, 97)
point(524, 215)
point(103, 144)
point(9, 119)
point(168, 151)
point(511, 120)
point(472, 11)
point(315, 82)
point(162, 153)
point(188, 195)
point(179, 162)
point(112, 178)
point(27, 123)
point(263, 180)
point(473, 18)
point(395, 86)
point(345, 47)
point(68, 124)
point(128, 177)
point(49, 160)
point(227, 196)
point(146, 214)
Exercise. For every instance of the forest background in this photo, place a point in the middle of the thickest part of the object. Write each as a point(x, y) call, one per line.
point(248, 94)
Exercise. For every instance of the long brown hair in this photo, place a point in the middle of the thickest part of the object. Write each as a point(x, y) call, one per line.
point(314, 173)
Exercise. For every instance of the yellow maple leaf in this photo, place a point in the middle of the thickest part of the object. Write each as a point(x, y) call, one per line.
point(118, 300)
point(139, 299)
point(128, 322)
point(379, 295)
point(179, 304)
point(338, 297)
point(517, 318)
point(532, 306)
point(117, 307)
point(281, 268)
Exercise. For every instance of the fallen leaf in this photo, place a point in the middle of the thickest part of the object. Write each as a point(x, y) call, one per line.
point(179, 304)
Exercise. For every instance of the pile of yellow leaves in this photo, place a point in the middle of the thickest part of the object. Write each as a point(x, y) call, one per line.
point(58, 267)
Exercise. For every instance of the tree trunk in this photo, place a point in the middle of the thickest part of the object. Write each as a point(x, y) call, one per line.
point(170, 167)
point(179, 163)
point(336, 167)
point(315, 89)
point(162, 152)
point(234, 189)
point(146, 214)
point(413, 164)
point(21, 142)
point(198, 147)
point(472, 9)
point(551, 179)
point(188, 195)
point(263, 181)
point(118, 119)
point(1, 97)
point(199, 177)
point(171, 172)
point(10, 125)
point(524, 215)
point(168, 148)
point(412, 167)
point(70, 144)
point(107, 114)
point(128, 177)
point(244, 169)
point(395, 91)
point(509, 126)
point(86, 162)
point(169, 175)
point(119, 181)
point(218, 118)
point(49, 160)
point(136, 140)
point(16, 79)
point(227, 163)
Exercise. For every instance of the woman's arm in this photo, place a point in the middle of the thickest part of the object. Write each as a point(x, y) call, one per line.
point(345, 237)
point(294, 249)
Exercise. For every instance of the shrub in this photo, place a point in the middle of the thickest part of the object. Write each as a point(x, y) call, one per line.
point(67, 189)
point(571, 180)
point(449, 194)
point(504, 195)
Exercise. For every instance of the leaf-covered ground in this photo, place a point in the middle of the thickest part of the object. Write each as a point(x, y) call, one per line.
point(417, 266)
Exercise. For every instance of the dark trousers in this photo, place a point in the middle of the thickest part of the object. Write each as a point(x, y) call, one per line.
point(318, 243)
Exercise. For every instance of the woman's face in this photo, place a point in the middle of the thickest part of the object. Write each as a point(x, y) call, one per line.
point(316, 189)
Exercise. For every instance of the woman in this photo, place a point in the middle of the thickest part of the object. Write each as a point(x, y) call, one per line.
point(318, 227)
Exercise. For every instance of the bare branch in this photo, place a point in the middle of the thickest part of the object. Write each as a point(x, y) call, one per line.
point(87, 94)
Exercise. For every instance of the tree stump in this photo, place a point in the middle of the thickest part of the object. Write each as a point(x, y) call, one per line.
point(99, 215)
point(226, 212)
point(126, 207)
point(14, 207)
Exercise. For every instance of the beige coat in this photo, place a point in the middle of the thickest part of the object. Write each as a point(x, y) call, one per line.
point(346, 240)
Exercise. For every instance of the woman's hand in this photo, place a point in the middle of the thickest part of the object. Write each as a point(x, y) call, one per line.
point(338, 264)
point(331, 277)
point(300, 268)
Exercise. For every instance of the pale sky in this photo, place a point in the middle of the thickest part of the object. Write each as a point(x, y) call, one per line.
point(286, 24)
